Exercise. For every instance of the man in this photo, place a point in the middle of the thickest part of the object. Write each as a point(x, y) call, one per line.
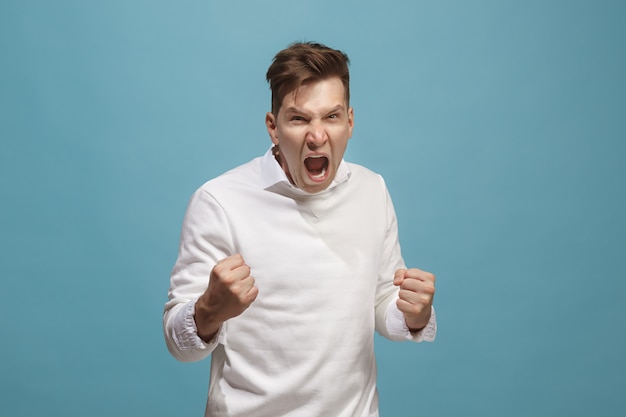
point(288, 264)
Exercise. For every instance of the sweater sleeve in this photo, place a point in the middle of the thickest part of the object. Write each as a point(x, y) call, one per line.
point(205, 239)
point(390, 321)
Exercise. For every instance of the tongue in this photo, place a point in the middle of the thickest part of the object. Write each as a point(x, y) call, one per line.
point(315, 165)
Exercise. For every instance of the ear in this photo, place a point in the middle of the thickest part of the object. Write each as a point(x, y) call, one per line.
point(270, 123)
point(350, 120)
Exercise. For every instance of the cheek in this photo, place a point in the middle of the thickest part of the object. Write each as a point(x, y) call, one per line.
point(289, 148)
point(289, 158)
point(341, 145)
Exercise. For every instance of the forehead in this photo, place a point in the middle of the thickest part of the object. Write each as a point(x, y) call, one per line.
point(328, 92)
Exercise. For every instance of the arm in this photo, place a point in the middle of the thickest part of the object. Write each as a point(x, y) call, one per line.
point(403, 311)
point(207, 285)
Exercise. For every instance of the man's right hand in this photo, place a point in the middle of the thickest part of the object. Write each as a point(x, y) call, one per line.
point(230, 292)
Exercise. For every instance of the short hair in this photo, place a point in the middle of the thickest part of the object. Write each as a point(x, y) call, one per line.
point(302, 63)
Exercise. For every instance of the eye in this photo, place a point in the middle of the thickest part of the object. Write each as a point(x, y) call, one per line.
point(333, 116)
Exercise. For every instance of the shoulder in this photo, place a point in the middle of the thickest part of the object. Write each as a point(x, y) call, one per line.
point(245, 175)
point(361, 174)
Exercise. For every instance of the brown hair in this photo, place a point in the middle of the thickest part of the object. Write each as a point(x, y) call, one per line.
point(302, 63)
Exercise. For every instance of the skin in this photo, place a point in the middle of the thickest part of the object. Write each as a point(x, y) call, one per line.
point(313, 122)
point(417, 290)
point(230, 292)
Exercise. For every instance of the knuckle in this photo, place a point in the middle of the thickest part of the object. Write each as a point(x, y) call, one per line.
point(228, 280)
point(242, 298)
point(417, 309)
point(218, 269)
point(235, 288)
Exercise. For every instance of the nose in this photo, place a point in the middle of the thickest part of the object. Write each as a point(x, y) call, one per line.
point(316, 135)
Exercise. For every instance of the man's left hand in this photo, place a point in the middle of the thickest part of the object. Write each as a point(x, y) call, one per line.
point(417, 289)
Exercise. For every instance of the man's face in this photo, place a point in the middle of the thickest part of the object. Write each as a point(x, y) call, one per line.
point(312, 129)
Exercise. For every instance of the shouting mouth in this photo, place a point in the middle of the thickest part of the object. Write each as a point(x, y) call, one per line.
point(316, 166)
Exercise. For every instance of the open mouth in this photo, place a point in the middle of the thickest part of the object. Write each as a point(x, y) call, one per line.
point(316, 165)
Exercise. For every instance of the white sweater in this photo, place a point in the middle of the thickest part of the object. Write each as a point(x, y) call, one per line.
point(323, 264)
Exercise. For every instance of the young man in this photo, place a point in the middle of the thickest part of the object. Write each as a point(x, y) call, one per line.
point(288, 264)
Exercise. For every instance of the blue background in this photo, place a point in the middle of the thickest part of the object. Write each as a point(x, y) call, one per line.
point(499, 126)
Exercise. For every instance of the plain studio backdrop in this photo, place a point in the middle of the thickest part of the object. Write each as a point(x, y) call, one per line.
point(498, 125)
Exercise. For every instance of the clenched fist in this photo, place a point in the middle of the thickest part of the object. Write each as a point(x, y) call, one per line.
point(230, 292)
point(417, 289)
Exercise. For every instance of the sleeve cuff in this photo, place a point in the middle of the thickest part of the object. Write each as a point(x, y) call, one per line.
point(398, 330)
point(185, 332)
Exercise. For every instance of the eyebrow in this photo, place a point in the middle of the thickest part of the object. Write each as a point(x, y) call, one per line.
point(294, 109)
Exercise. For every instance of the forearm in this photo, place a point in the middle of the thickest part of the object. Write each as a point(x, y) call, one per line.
point(202, 244)
point(207, 326)
point(181, 335)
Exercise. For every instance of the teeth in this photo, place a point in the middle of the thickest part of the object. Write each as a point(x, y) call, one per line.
point(321, 174)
